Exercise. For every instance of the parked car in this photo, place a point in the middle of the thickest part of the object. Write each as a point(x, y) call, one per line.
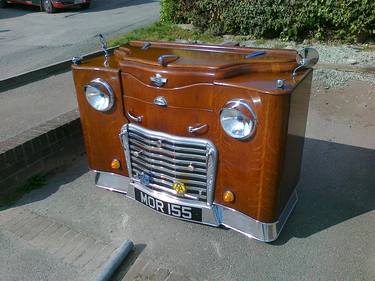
point(50, 6)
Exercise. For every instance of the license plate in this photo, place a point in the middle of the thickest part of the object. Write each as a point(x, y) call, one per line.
point(170, 209)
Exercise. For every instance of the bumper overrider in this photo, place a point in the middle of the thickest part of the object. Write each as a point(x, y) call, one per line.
point(154, 193)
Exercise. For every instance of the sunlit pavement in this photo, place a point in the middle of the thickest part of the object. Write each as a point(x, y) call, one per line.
point(328, 237)
point(30, 39)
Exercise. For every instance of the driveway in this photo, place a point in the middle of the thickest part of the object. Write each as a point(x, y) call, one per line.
point(66, 230)
point(30, 39)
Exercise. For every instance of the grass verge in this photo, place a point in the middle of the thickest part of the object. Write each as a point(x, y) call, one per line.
point(165, 32)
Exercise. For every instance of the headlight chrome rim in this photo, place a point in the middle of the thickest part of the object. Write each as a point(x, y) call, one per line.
point(244, 110)
point(104, 89)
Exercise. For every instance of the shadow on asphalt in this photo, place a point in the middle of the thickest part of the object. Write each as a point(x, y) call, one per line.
point(53, 183)
point(337, 184)
point(18, 10)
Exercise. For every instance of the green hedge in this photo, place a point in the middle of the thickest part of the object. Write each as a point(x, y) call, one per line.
point(349, 20)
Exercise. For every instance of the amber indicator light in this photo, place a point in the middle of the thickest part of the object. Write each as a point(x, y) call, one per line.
point(115, 164)
point(228, 196)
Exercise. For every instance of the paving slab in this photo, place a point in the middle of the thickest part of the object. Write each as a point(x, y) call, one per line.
point(30, 234)
point(330, 235)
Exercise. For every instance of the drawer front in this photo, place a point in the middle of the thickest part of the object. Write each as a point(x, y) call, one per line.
point(175, 77)
point(196, 96)
point(172, 120)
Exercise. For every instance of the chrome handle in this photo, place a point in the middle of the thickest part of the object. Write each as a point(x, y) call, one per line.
point(196, 129)
point(163, 60)
point(255, 54)
point(146, 45)
point(137, 119)
point(160, 101)
point(158, 80)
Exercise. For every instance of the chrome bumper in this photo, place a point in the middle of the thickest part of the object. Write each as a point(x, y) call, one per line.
point(214, 214)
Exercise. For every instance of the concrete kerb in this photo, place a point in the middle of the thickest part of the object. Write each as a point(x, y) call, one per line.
point(39, 151)
point(44, 148)
point(43, 72)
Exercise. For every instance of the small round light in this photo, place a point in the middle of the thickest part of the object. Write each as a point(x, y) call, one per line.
point(115, 164)
point(238, 119)
point(228, 196)
point(99, 95)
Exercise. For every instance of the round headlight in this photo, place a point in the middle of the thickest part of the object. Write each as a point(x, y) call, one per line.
point(238, 119)
point(99, 95)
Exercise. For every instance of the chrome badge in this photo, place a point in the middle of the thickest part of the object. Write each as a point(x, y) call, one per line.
point(144, 178)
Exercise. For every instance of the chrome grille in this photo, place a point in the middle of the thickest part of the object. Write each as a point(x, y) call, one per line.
point(166, 159)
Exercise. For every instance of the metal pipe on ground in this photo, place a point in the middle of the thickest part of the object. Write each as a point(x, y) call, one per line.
point(115, 260)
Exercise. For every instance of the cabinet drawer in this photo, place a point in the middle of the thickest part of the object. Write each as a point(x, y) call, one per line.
point(196, 96)
point(172, 120)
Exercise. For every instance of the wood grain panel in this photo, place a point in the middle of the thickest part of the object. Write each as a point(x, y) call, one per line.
point(197, 96)
point(101, 129)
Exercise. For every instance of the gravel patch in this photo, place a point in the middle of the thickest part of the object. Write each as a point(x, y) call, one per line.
point(351, 55)
point(340, 79)
point(330, 54)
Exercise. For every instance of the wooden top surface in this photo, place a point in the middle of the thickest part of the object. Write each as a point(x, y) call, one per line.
point(218, 64)
point(203, 56)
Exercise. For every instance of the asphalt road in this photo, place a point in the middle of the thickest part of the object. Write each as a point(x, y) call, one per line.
point(330, 235)
point(30, 39)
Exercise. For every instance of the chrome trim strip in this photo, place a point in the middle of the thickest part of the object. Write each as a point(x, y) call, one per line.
point(265, 232)
point(213, 214)
point(124, 133)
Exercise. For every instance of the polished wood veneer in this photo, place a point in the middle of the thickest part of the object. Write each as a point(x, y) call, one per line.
point(262, 171)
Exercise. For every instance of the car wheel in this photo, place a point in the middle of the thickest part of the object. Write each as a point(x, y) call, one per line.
point(3, 3)
point(48, 6)
point(85, 6)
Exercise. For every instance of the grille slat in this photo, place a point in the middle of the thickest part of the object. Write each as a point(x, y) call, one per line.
point(137, 138)
point(162, 169)
point(166, 152)
point(152, 135)
point(171, 179)
point(172, 161)
point(169, 166)
point(168, 159)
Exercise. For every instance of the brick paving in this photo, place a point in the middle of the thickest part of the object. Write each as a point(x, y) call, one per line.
point(77, 249)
